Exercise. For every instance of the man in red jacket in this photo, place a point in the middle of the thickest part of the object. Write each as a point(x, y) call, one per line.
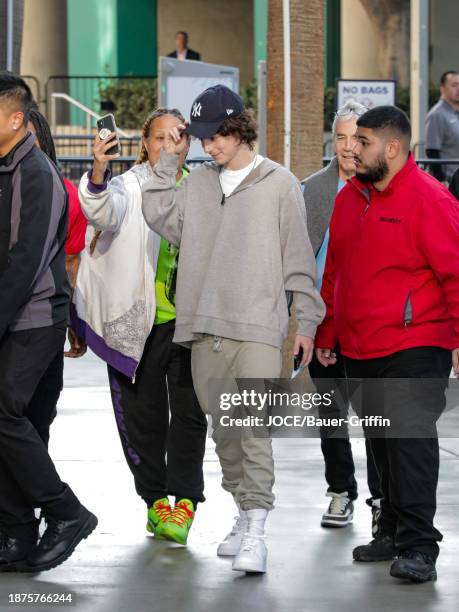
point(391, 287)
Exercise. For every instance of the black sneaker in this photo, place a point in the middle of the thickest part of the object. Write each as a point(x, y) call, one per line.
point(380, 549)
point(59, 541)
point(375, 505)
point(340, 511)
point(415, 566)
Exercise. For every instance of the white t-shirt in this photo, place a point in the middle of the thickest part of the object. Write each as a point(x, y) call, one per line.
point(230, 179)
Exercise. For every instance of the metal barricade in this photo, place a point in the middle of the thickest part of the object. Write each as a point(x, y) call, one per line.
point(428, 164)
point(81, 145)
point(73, 167)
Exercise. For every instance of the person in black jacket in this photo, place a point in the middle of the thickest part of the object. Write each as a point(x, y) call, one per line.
point(34, 297)
point(182, 52)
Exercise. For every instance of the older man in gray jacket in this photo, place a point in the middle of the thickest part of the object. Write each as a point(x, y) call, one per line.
point(319, 192)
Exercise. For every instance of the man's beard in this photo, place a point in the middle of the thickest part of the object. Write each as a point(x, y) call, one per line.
point(374, 174)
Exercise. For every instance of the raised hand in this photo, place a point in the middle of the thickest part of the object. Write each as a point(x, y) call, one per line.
point(176, 141)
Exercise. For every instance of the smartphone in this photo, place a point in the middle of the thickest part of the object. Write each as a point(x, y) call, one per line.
point(297, 359)
point(107, 122)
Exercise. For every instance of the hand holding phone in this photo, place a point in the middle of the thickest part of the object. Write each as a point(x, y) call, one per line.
point(297, 359)
point(107, 126)
point(106, 148)
point(302, 350)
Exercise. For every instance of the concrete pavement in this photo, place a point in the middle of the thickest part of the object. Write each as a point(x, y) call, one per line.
point(121, 568)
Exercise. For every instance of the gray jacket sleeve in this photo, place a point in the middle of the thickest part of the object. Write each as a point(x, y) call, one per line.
point(299, 265)
point(104, 210)
point(317, 225)
point(162, 203)
point(319, 191)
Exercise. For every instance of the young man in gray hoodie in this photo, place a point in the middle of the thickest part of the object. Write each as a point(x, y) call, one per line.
point(244, 249)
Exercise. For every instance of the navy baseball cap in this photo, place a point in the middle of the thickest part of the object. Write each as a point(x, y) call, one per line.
point(211, 108)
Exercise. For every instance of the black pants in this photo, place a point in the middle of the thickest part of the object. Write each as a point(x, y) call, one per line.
point(28, 478)
point(41, 411)
point(163, 382)
point(336, 447)
point(408, 466)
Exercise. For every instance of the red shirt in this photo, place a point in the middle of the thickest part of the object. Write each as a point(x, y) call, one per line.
point(77, 222)
point(391, 279)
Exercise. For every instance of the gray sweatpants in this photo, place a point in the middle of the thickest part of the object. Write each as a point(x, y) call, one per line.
point(246, 461)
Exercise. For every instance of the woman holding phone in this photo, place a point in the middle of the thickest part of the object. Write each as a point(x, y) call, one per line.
point(125, 310)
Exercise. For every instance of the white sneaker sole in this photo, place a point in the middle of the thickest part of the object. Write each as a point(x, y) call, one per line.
point(336, 522)
point(226, 552)
point(255, 568)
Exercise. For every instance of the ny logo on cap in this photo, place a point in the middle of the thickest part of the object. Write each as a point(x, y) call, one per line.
point(229, 111)
point(197, 107)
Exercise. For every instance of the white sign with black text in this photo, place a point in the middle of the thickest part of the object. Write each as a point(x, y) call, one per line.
point(369, 93)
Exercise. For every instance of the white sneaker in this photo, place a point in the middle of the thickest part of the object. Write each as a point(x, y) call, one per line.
point(375, 505)
point(232, 543)
point(252, 555)
point(340, 511)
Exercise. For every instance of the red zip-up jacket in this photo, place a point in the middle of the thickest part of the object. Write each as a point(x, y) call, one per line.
point(391, 279)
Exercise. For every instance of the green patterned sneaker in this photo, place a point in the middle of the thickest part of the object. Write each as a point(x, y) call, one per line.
point(179, 522)
point(158, 514)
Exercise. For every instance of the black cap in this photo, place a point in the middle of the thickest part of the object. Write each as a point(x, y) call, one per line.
point(211, 108)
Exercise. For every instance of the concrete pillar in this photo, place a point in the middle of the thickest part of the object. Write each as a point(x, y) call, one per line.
point(44, 43)
point(359, 49)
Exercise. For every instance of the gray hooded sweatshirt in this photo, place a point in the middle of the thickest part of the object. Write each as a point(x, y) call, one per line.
point(237, 260)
